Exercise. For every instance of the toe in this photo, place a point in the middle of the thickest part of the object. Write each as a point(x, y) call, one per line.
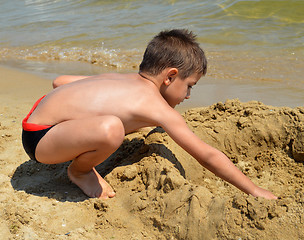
point(111, 194)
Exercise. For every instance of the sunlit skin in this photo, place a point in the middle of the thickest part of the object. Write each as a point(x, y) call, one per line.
point(92, 115)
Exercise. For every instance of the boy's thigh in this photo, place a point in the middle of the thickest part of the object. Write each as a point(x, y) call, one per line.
point(69, 139)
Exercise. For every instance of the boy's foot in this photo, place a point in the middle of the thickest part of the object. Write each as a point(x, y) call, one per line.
point(92, 184)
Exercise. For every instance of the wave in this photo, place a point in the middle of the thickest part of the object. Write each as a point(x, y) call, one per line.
point(116, 58)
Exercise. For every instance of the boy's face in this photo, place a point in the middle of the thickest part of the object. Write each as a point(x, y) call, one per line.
point(176, 90)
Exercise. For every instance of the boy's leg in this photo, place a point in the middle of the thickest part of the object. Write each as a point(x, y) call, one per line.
point(89, 142)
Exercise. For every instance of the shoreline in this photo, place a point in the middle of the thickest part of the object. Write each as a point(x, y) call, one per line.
point(219, 85)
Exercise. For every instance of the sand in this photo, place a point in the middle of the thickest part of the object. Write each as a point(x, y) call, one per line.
point(162, 192)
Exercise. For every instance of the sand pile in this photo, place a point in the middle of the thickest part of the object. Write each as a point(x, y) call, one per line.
point(162, 192)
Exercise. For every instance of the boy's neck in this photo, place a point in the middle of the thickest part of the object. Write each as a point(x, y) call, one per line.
point(143, 76)
point(150, 78)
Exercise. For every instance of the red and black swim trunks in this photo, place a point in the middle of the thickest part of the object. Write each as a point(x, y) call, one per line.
point(32, 133)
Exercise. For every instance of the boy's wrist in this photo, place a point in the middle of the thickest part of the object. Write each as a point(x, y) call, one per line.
point(254, 191)
point(260, 192)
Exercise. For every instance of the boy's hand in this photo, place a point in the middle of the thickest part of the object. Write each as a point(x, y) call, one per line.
point(260, 192)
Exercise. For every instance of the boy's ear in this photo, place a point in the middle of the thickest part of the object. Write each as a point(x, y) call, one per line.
point(171, 75)
point(167, 81)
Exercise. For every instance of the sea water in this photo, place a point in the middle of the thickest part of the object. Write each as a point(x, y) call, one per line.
point(255, 48)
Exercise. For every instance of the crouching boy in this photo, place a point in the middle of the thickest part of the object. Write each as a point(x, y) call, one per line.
point(85, 119)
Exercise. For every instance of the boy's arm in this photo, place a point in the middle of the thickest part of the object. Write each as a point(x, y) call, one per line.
point(209, 157)
point(64, 79)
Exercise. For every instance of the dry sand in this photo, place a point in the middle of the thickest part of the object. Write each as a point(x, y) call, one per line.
point(162, 192)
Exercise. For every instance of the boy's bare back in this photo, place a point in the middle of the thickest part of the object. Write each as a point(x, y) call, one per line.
point(133, 99)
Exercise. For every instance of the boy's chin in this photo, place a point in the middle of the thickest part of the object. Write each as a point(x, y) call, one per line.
point(173, 105)
point(177, 104)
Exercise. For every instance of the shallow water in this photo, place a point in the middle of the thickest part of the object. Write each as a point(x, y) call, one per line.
point(255, 48)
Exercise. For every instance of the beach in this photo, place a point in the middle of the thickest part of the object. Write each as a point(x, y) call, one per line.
point(249, 105)
point(162, 192)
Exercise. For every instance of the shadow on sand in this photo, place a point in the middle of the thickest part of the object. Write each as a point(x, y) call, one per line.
point(52, 181)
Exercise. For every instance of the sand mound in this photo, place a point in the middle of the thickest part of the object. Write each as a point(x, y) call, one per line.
point(162, 192)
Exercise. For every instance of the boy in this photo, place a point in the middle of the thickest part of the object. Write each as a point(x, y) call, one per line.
point(86, 118)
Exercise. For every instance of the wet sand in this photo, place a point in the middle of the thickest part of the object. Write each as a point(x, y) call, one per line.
point(162, 193)
point(274, 78)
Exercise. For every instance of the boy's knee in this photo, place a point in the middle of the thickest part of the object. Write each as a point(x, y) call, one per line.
point(61, 80)
point(113, 131)
point(57, 82)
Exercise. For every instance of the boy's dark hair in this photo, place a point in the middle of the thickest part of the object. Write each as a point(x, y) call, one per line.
point(175, 48)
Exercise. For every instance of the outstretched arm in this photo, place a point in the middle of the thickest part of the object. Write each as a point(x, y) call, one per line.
point(209, 157)
point(64, 79)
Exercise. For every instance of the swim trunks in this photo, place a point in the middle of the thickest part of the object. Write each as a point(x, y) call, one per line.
point(32, 133)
